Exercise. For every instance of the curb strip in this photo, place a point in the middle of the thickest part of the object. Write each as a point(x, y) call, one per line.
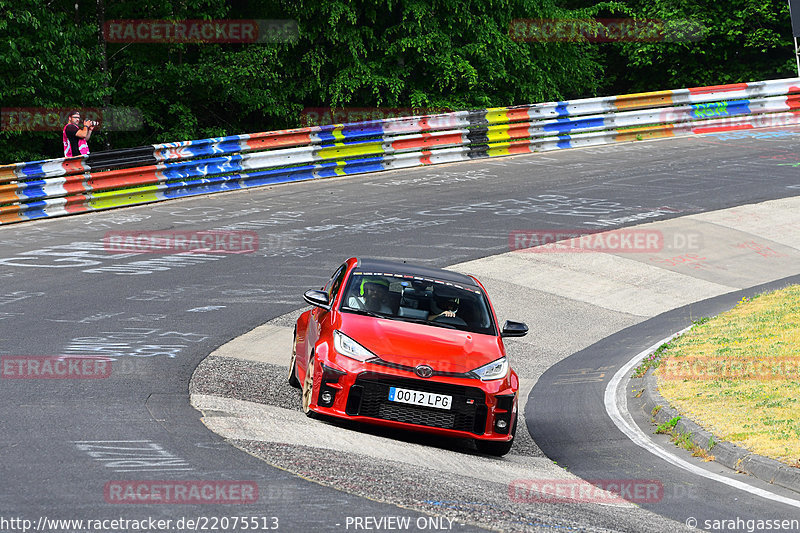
point(727, 454)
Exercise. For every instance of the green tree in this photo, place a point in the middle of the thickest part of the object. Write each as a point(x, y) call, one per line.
point(431, 54)
point(196, 90)
point(47, 60)
point(712, 43)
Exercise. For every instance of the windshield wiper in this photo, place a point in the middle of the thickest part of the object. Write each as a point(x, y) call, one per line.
point(426, 322)
point(443, 325)
point(413, 319)
point(395, 317)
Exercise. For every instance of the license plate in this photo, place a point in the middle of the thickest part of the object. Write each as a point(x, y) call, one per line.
point(414, 397)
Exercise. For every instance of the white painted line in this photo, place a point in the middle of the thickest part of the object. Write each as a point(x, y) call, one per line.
point(205, 309)
point(155, 470)
point(616, 407)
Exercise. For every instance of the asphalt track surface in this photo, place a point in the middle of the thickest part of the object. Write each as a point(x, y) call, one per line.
point(158, 316)
point(569, 427)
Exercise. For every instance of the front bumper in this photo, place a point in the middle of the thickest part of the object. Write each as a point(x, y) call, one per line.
point(479, 410)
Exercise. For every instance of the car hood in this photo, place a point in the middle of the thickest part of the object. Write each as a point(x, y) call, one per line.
point(409, 344)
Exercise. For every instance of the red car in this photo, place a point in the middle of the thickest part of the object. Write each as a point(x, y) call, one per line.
point(408, 347)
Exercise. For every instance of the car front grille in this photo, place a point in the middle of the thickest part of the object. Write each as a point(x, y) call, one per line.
point(369, 397)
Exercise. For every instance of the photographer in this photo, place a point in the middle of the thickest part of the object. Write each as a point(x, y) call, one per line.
point(75, 138)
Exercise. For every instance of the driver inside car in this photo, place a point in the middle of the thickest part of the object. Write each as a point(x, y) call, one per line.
point(373, 296)
point(445, 307)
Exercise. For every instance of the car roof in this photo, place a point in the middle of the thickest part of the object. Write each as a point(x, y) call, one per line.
point(397, 267)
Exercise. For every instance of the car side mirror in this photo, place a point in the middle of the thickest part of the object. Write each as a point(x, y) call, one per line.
point(318, 299)
point(514, 329)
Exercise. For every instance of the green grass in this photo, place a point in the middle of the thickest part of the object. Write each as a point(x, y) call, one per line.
point(738, 374)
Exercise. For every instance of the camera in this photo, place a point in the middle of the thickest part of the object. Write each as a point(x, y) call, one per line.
point(89, 123)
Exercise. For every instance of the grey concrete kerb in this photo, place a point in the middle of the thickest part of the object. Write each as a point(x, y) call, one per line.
point(725, 453)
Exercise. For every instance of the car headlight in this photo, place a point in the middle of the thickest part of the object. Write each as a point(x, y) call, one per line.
point(494, 370)
point(350, 348)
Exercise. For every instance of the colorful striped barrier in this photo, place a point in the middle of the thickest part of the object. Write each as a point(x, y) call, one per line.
point(158, 172)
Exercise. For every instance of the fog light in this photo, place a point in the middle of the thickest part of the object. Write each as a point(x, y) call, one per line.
point(501, 424)
point(326, 397)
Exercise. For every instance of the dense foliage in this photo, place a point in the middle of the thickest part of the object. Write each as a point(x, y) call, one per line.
point(732, 41)
point(422, 54)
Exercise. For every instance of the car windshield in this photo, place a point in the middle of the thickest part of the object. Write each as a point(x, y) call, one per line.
point(417, 299)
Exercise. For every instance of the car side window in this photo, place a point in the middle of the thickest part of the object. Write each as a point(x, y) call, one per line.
point(332, 287)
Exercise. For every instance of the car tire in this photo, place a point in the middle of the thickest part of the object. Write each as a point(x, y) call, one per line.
point(293, 381)
point(498, 449)
point(308, 388)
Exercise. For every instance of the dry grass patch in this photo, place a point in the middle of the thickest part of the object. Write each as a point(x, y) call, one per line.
point(738, 375)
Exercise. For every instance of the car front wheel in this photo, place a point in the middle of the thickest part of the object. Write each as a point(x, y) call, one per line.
point(293, 381)
point(308, 388)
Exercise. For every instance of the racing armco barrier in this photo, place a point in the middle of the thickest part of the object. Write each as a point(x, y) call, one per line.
point(117, 178)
